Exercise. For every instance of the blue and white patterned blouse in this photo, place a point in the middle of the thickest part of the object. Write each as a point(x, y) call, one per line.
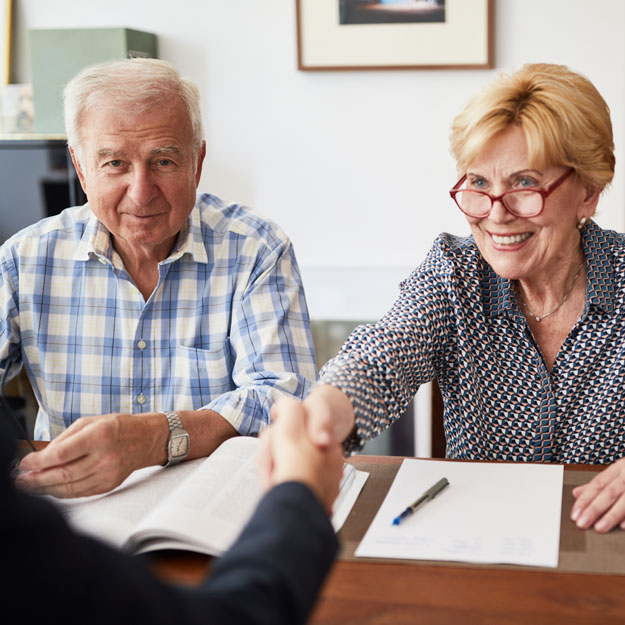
point(458, 321)
point(226, 327)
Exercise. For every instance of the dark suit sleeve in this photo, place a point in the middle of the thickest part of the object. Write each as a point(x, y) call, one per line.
point(279, 562)
point(270, 576)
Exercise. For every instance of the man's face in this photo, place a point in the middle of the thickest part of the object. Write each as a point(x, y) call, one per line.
point(140, 175)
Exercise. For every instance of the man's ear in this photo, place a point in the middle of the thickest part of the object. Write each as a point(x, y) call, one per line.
point(79, 170)
point(200, 161)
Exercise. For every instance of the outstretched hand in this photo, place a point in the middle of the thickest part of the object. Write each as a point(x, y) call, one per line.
point(329, 415)
point(287, 454)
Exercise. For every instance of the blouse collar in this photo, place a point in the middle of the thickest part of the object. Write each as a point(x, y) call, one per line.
point(498, 293)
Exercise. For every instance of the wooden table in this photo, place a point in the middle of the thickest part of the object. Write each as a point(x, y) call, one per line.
point(398, 593)
point(368, 592)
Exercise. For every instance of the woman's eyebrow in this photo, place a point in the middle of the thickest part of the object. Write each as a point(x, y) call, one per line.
point(514, 174)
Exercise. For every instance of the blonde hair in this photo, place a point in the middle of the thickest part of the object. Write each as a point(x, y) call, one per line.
point(562, 115)
point(132, 84)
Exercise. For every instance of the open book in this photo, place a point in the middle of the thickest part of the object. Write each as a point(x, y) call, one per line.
point(200, 505)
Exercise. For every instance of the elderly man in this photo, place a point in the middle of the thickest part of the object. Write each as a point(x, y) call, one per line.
point(153, 323)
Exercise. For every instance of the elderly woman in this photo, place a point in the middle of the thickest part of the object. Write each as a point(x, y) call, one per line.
point(523, 322)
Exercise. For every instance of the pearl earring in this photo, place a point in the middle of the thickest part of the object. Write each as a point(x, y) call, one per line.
point(582, 223)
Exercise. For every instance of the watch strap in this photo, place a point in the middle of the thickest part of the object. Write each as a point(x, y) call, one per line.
point(173, 420)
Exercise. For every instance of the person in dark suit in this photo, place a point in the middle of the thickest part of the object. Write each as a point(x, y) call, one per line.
point(271, 575)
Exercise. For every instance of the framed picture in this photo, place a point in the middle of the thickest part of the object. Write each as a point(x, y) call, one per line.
point(6, 6)
point(394, 34)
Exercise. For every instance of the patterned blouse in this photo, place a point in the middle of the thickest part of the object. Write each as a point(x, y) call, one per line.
point(458, 321)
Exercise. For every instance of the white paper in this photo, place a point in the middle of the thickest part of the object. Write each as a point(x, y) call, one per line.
point(490, 513)
point(351, 485)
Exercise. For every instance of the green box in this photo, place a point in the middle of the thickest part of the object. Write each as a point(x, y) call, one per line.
point(58, 55)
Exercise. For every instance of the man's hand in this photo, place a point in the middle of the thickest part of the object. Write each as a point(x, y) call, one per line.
point(93, 455)
point(601, 502)
point(96, 454)
point(287, 454)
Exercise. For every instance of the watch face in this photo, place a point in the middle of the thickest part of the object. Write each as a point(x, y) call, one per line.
point(179, 446)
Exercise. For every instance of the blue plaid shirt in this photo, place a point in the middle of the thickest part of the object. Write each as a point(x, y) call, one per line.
point(226, 328)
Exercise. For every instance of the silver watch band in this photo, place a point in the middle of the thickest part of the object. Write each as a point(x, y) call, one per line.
point(173, 420)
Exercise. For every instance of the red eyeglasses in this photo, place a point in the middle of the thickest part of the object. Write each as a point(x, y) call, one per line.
point(519, 202)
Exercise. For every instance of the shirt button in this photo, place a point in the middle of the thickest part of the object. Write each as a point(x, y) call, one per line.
point(141, 398)
point(141, 344)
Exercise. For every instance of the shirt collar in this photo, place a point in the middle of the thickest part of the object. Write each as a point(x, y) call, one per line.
point(497, 292)
point(190, 240)
point(600, 290)
point(96, 241)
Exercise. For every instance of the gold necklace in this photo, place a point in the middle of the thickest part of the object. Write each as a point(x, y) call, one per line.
point(568, 291)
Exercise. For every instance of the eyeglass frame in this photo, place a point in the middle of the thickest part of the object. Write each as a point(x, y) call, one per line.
point(545, 193)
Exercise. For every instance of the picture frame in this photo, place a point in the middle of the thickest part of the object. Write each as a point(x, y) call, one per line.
point(336, 35)
point(6, 6)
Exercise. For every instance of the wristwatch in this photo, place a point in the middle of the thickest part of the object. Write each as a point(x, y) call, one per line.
point(178, 444)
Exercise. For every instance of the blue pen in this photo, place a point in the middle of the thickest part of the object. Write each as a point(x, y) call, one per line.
point(428, 495)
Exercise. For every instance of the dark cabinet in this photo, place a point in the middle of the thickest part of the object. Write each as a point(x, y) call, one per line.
point(37, 180)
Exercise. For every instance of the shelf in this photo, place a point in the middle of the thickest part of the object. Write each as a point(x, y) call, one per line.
point(31, 137)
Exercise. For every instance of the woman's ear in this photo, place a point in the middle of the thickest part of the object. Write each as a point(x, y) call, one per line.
point(589, 202)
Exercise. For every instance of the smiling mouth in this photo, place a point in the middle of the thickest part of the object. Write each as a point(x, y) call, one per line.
point(510, 239)
point(144, 216)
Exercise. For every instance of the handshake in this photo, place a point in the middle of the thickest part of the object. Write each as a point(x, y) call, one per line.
point(303, 442)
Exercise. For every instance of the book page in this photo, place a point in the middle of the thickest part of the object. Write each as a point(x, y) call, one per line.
point(113, 516)
point(208, 510)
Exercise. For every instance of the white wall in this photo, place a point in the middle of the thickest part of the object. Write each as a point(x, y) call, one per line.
point(353, 165)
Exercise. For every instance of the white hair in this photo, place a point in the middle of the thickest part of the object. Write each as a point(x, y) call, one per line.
point(130, 84)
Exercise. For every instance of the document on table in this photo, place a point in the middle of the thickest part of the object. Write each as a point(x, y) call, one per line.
point(490, 512)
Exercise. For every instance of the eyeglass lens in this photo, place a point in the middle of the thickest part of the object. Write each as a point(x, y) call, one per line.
point(522, 202)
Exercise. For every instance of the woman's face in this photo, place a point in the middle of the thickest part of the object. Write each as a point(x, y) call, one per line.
point(521, 248)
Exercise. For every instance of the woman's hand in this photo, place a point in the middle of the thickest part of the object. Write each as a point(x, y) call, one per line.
point(330, 415)
point(601, 502)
